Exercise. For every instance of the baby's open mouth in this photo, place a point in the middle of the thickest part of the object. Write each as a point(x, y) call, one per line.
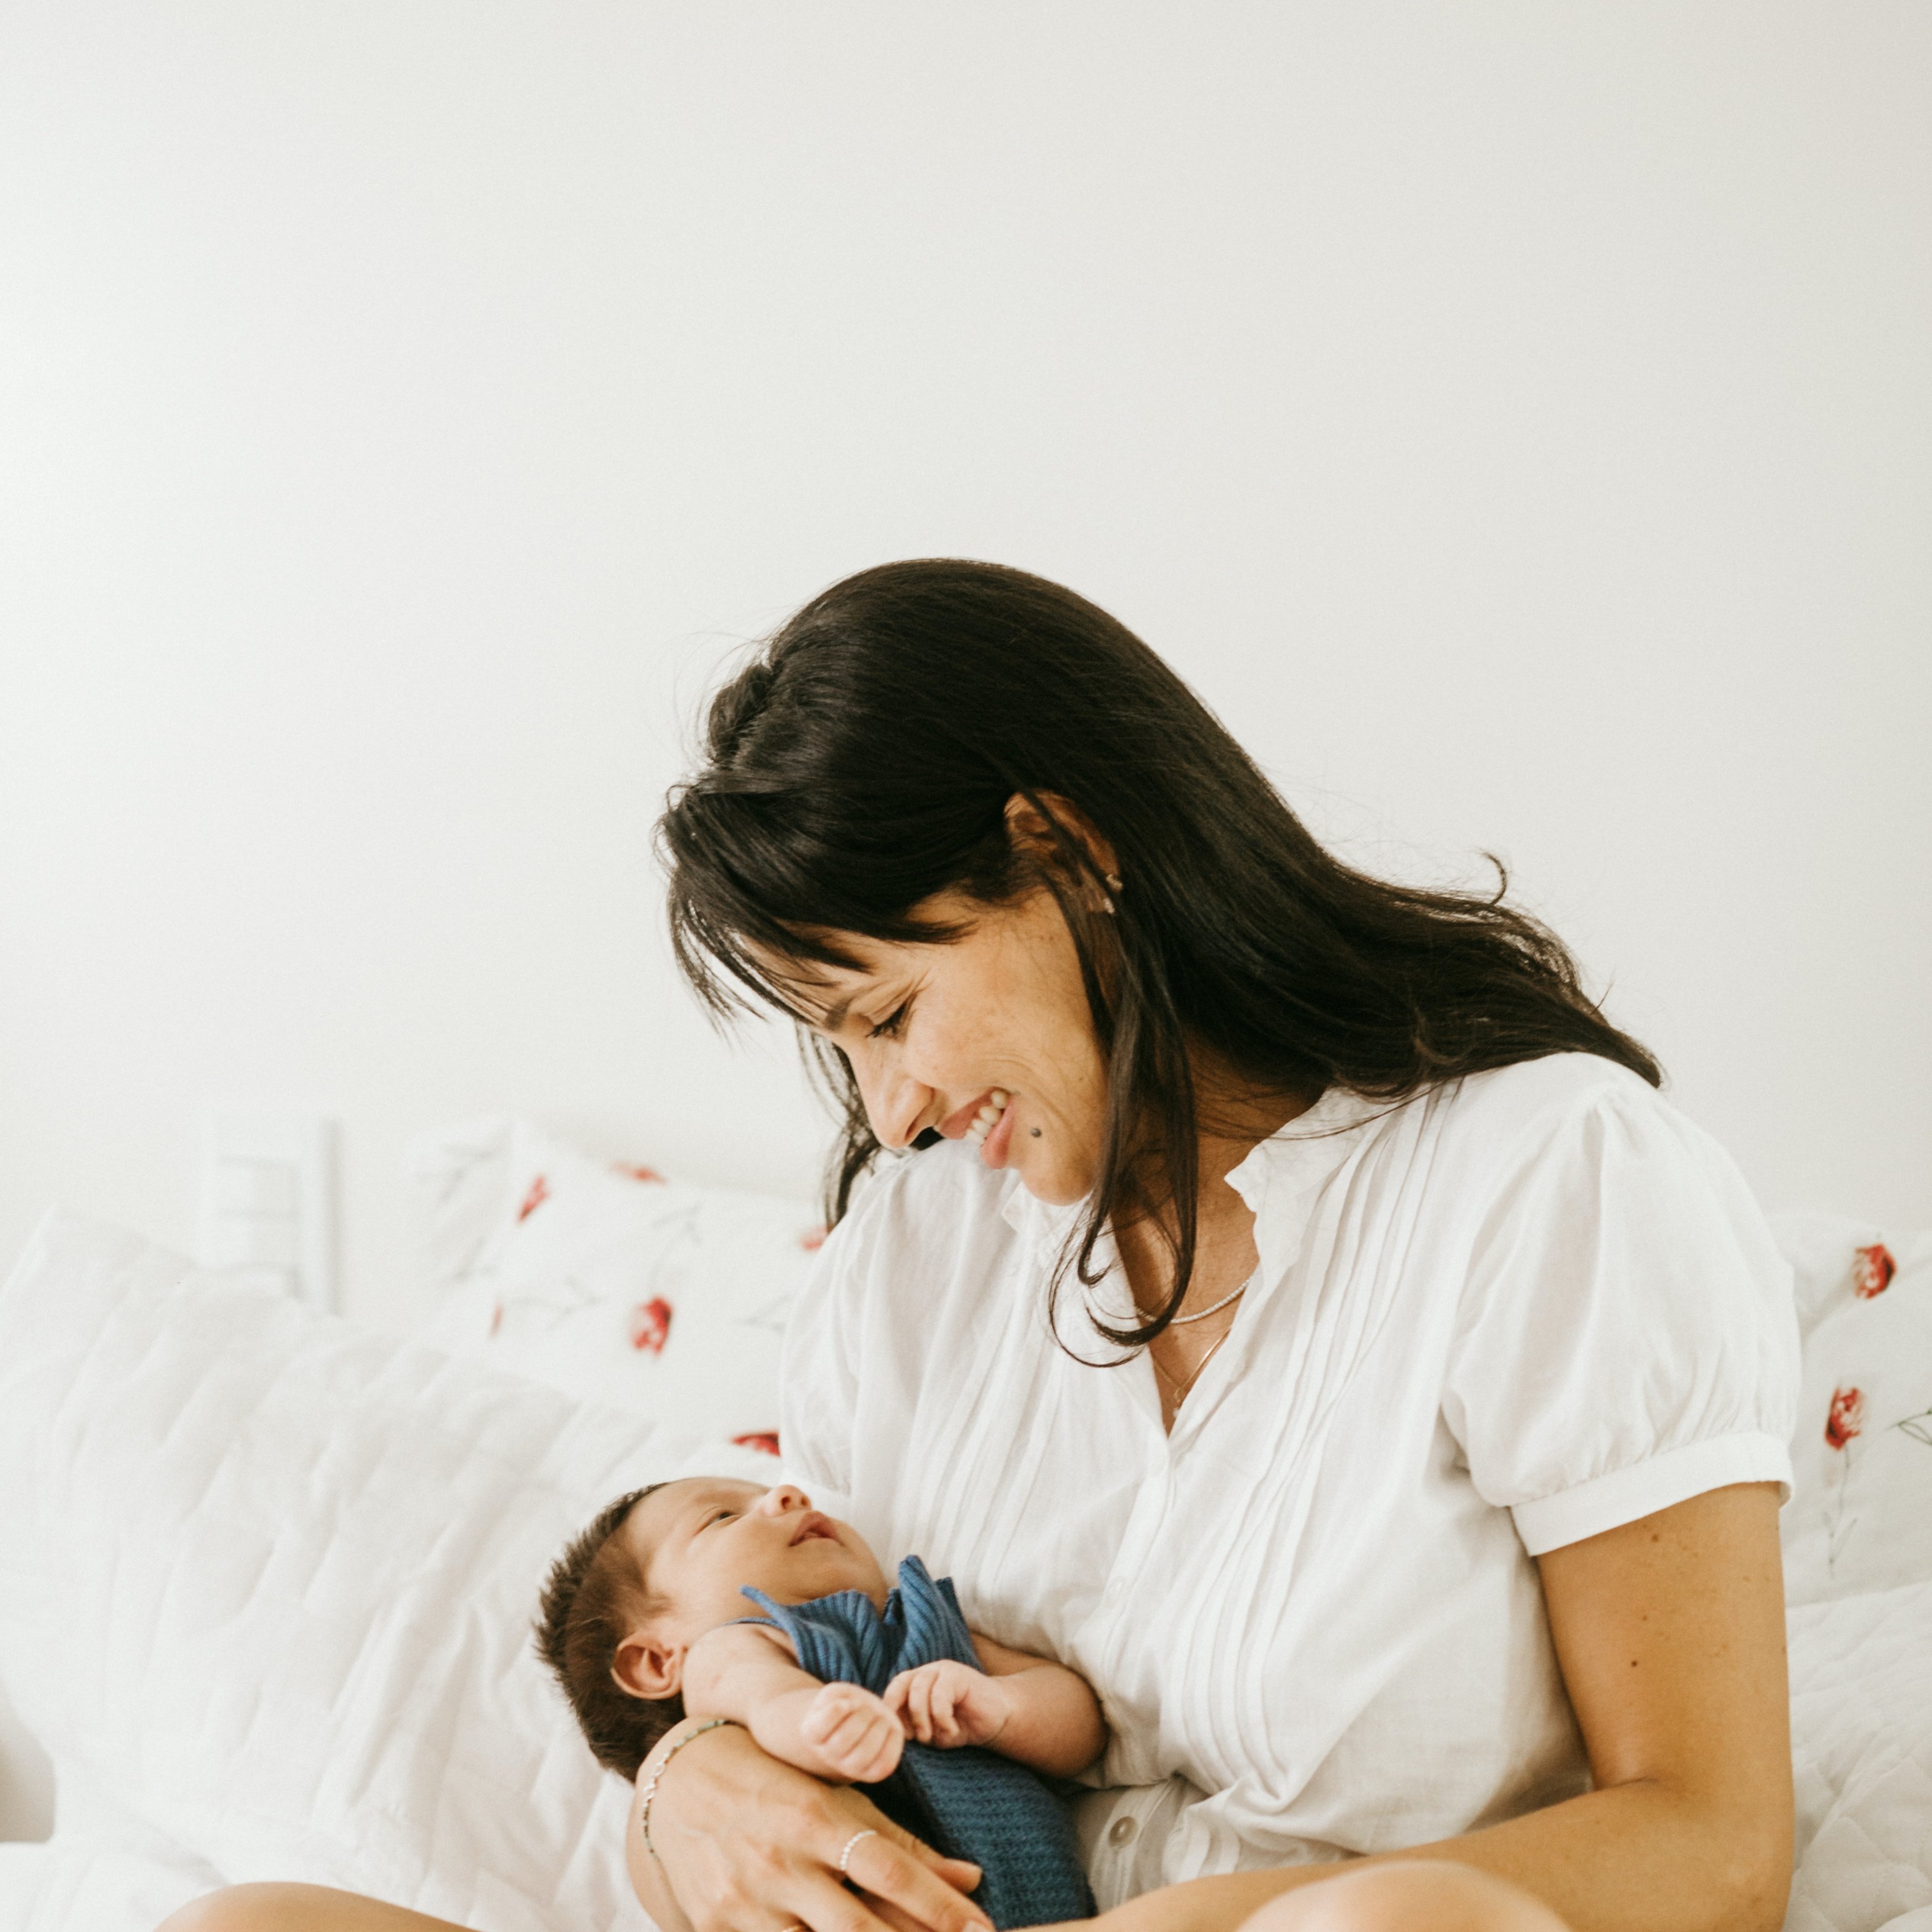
point(813, 1524)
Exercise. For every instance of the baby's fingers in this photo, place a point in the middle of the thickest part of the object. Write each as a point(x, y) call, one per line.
point(918, 1703)
point(850, 1733)
point(894, 1695)
point(870, 1753)
point(945, 1699)
point(884, 1759)
point(835, 1706)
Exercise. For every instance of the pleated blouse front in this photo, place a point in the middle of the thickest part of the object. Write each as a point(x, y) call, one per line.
point(1513, 1313)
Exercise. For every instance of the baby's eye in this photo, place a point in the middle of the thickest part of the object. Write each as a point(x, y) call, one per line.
point(719, 1515)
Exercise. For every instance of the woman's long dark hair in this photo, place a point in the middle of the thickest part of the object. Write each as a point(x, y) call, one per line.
point(864, 760)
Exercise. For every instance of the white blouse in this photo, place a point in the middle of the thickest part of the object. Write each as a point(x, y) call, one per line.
point(1512, 1313)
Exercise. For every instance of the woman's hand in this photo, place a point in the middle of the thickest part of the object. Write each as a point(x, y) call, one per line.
point(742, 1843)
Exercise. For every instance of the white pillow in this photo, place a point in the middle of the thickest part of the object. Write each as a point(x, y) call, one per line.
point(613, 1283)
point(268, 1581)
point(459, 1180)
point(1860, 1516)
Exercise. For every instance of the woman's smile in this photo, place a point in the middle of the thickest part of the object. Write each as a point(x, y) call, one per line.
point(987, 1126)
point(992, 1132)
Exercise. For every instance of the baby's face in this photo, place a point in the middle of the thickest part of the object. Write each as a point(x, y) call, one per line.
point(698, 1541)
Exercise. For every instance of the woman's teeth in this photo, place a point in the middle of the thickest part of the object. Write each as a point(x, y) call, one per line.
point(988, 1117)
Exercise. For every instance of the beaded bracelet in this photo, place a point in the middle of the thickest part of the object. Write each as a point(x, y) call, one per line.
point(650, 1790)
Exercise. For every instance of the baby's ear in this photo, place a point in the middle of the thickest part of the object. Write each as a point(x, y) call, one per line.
point(646, 1666)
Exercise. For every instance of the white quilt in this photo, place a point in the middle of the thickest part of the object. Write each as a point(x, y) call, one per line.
point(1861, 1739)
point(267, 1590)
point(266, 1599)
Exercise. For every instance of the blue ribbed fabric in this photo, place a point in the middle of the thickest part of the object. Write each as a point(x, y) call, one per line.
point(968, 1803)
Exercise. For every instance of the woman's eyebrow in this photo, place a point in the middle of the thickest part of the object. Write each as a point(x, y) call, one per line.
point(830, 1019)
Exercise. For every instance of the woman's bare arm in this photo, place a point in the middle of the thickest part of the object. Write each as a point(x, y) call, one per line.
point(1670, 1634)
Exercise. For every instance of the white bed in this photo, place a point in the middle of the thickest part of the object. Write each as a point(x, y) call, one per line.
point(268, 1575)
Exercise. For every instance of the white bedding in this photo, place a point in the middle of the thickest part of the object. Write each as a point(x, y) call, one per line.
point(104, 1868)
point(292, 1642)
point(1862, 1738)
point(268, 1591)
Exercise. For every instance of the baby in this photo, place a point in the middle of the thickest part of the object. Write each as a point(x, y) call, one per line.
point(646, 1621)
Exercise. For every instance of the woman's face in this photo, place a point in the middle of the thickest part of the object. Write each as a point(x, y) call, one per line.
point(934, 1033)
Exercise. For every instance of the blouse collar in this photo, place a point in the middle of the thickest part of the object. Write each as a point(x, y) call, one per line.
point(1281, 1176)
point(1278, 1178)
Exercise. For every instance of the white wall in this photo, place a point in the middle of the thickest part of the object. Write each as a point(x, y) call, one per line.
point(1513, 417)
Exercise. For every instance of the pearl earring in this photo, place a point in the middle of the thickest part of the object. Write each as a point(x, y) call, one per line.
point(1113, 880)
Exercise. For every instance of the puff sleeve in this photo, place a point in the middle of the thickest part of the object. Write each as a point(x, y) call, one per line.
point(1626, 1338)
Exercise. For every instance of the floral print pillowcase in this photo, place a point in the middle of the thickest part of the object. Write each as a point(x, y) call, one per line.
point(1860, 1517)
point(612, 1282)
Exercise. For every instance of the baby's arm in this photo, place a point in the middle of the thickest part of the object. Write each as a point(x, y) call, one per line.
point(1036, 1713)
point(745, 1673)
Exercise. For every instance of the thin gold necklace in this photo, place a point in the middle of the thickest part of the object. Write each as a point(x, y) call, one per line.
point(1179, 1390)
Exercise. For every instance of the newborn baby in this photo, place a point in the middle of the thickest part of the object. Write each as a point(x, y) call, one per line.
point(647, 1619)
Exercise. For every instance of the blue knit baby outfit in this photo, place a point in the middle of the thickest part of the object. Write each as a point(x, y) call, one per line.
point(970, 1803)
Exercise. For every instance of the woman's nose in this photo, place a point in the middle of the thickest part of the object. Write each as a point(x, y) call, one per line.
point(894, 1103)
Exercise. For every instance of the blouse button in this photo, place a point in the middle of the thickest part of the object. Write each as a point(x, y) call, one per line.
point(1122, 1830)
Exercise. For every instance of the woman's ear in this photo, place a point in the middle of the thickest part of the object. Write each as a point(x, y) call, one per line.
point(647, 1666)
point(1031, 831)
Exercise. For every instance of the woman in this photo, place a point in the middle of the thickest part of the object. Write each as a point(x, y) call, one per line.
point(1325, 1339)
point(1318, 1333)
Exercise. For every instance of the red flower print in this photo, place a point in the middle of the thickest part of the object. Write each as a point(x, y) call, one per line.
point(639, 1173)
point(812, 1240)
point(764, 1439)
point(1847, 1416)
point(538, 1194)
point(650, 1325)
point(1872, 1270)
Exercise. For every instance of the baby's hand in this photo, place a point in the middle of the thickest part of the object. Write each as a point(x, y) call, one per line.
point(949, 1704)
point(853, 1731)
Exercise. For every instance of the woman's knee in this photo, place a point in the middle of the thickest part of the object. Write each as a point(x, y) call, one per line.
point(241, 1908)
point(295, 1908)
point(1415, 1895)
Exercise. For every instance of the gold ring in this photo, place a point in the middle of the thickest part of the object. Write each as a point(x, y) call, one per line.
point(845, 1856)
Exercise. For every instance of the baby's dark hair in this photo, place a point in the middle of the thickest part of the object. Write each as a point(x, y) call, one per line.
point(591, 1601)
